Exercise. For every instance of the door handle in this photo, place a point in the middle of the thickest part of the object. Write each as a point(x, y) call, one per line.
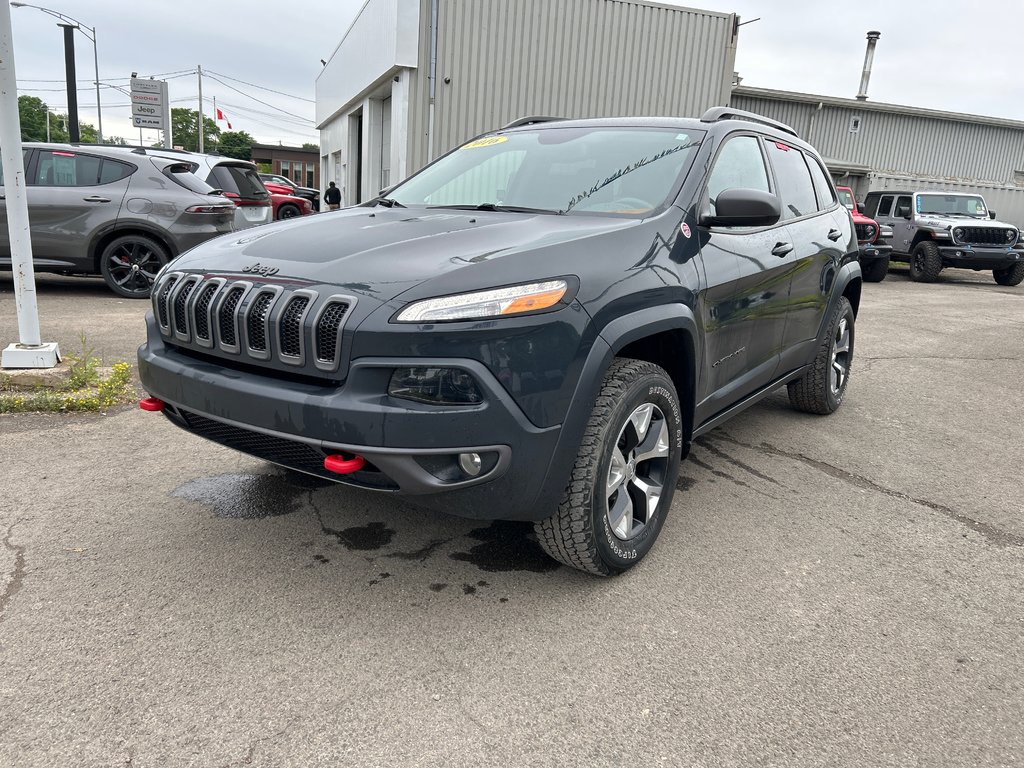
point(782, 249)
point(834, 234)
point(96, 199)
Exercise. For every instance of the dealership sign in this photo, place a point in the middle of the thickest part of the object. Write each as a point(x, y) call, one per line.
point(150, 105)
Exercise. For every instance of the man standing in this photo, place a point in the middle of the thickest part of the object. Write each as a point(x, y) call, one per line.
point(332, 197)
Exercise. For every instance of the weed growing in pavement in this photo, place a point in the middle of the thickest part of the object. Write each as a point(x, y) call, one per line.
point(103, 392)
point(85, 367)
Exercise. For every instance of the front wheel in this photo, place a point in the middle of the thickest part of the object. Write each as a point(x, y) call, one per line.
point(129, 265)
point(1012, 275)
point(624, 476)
point(875, 271)
point(925, 262)
point(821, 389)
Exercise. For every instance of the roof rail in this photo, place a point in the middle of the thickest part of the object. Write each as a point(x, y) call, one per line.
point(715, 114)
point(530, 121)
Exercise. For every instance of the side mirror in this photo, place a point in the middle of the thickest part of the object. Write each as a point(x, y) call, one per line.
point(906, 214)
point(741, 207)
point(991, 214)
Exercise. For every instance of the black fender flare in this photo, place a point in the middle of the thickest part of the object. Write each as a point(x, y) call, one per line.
point(848, 273)
point(616, 335)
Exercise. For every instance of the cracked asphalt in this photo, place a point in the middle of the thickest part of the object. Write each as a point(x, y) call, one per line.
point(841, 591)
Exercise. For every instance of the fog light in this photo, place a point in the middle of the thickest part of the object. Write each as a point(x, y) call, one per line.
point(439, 386)
point(470, 463)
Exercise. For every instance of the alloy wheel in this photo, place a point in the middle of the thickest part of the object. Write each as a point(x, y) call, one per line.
point(636, 475)
point(133, 267)
point(840, 362)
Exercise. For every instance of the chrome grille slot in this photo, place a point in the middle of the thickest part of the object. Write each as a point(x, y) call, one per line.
point(256, 322)
point(201, 312)
point(226, 316)
point(180, 306)
point(160, 300)
point(290, 333)
point(328, 333)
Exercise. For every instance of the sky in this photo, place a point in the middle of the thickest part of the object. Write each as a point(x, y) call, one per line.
point(925, 57)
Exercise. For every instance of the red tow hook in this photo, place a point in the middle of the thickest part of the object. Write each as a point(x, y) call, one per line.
point(154, 404)
point(341, 466)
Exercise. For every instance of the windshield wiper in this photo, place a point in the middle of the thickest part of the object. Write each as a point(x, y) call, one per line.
point(387, 202)
point(501, 208)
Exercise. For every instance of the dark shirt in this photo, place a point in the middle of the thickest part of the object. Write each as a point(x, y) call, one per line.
point(332, 196)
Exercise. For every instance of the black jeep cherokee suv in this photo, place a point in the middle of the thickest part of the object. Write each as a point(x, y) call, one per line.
point(533, 327)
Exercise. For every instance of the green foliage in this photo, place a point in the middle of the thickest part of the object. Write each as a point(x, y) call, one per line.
point(311, 145)
point(85, 367)
point(32, 112)
point(185, 130)
point(113, 390)
point(237, 144)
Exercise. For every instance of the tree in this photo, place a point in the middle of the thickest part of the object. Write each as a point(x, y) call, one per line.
point(32, 111)
point(311, 145)
point(237, 144)
point(185, 130)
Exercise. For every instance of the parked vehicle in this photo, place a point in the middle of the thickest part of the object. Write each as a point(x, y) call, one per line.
point(287, 206)
point(934, 230)
point(534, 327)
point(237, 179)
point(111, 211)
point(874, 251)
point(313, 195)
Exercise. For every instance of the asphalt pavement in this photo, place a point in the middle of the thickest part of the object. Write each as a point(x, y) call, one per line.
point(838, 591)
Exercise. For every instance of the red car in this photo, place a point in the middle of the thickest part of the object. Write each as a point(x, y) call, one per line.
point(873, 256)
point(287, 205)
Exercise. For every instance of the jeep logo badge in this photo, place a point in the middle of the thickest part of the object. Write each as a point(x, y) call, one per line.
point(259, 269)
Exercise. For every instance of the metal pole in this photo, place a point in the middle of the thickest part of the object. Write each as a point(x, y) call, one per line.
point(869, 57)
point(69, 73)
point(199, 70)
point(29, 352)
point(47, 108)
point(99, 109)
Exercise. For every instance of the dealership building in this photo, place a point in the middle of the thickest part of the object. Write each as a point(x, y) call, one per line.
point(411, 79)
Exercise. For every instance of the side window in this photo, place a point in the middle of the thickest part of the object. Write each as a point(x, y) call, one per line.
point(739, 165)
point(885, 206)
point(113, 170)
point(902, 207)
point(24, 157)
point(822, 186)
point(795, 186)
point(66, 169)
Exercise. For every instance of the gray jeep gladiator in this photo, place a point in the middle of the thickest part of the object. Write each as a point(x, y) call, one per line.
point(934, 230)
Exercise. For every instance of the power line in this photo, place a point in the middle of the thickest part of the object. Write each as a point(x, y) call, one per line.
point(262, 87)
point(264, 103)
point(239, 108)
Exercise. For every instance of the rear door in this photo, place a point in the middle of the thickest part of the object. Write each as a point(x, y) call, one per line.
point(821, 232)
point(747, 285)
point(72, 196)
point(5, 243)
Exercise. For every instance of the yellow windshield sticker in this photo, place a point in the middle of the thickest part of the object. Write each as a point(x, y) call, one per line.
point(489, 141)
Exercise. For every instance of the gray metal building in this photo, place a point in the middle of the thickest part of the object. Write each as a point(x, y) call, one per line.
point(870, 145)
point(412, 79)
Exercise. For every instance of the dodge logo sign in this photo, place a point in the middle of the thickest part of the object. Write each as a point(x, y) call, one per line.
point(259, 269)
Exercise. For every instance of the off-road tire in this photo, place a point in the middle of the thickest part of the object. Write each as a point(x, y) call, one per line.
point(1012, 275)
point(876, 270)
point(578, 534)
point(145, 251)
point(925, 262)
point(812, 393)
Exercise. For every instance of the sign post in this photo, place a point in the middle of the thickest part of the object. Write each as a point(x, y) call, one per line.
point(150, 107)
point(29, 352)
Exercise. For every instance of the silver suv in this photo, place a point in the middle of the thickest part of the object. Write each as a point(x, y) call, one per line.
point(114, 212)
point(933, 230)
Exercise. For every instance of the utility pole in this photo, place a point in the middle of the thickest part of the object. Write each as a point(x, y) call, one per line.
point(199, 70)
point(69, 73)
point(29, 352)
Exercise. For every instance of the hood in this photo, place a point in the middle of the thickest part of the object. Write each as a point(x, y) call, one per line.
point(947, 220)
point(380, 252)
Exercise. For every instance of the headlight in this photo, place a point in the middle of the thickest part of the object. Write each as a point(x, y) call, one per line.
point(1011, 235)
point(958, 233)
point(498, 302)
point(869, 232)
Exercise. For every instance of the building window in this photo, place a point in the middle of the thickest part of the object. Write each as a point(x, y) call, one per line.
point(855, 124)
point(309, 175)
point(286, 169)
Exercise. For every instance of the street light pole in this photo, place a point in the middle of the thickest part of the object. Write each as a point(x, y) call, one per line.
point(90, 34)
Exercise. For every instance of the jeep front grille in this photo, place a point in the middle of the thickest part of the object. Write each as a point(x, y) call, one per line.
point(986, 236)
point(288, 329)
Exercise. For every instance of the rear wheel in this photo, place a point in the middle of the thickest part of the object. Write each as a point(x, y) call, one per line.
point(625, 474)
point(820, 390)
point(1012, 275)
point(876, 270)
point(129, 265)
point(288, 212)
point(925, 262)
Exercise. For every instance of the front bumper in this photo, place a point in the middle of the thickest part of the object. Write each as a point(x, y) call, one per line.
point(975, 257)
point(873, 252)
point(410, 448)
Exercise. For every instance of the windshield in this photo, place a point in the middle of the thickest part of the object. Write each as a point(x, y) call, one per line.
point(846, 198)
point(627, 171)
point(964, 205)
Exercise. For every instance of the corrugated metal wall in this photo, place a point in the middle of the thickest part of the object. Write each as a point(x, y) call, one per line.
point(896, 143)
point(571, 58)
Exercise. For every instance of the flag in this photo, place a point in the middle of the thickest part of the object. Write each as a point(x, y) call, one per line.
point(220, 116)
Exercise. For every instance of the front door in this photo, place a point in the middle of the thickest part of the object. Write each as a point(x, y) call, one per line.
point(5, 243)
